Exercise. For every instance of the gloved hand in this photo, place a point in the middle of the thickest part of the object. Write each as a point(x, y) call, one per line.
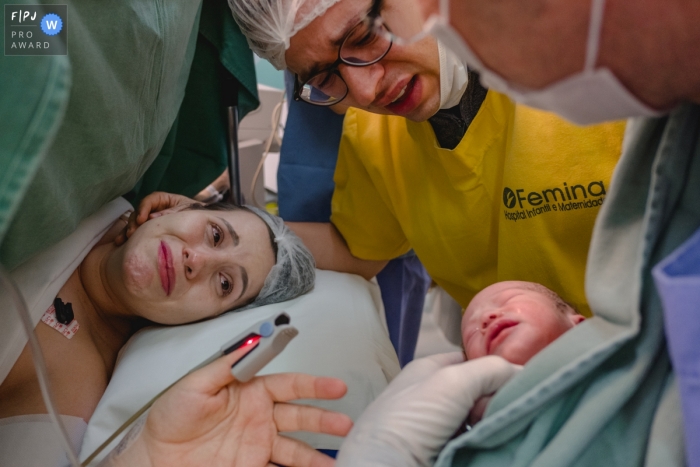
point(421, 409)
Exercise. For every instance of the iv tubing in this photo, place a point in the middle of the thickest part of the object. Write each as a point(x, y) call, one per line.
point(39, 363)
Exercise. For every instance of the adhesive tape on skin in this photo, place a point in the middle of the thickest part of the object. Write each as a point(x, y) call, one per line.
point(211, 190)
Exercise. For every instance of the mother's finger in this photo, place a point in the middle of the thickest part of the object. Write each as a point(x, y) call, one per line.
point(293, 453)
point(159, 201)
point(293, 417)
point(131, 225)
point(285, 387)
point(215, 376)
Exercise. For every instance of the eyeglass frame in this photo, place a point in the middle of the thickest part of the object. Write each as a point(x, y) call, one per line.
point(372, 19)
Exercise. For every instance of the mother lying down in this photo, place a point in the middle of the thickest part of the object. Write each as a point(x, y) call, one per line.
point(177, 268)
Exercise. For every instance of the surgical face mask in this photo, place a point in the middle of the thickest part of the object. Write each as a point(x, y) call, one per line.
point(453, 77)
point(590, 96)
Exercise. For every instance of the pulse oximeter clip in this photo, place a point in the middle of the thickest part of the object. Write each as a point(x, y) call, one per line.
point(269, 337)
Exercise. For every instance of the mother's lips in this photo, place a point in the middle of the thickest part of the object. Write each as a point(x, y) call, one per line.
point(494, 334)
point(165, 268)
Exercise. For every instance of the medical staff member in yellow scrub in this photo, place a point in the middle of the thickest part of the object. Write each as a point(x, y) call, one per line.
point(515, 199)
point(482, 190)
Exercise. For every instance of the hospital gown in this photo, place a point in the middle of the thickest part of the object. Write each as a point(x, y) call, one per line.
point(32, 440)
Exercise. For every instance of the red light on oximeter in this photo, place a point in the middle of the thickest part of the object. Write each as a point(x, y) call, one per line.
point(250, 339)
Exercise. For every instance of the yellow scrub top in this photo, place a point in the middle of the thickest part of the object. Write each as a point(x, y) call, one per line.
point(515, 200)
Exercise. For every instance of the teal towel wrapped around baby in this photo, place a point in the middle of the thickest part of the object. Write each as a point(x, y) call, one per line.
point(605, 392)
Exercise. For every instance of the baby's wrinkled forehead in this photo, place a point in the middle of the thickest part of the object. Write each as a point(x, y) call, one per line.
point(495, 292)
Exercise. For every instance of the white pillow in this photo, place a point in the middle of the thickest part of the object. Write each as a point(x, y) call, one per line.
point(341, 334)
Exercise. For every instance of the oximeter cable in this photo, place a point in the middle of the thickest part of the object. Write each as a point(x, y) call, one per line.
point(39, 364)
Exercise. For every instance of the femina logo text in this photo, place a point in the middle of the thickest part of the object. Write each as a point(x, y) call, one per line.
point(557, 194)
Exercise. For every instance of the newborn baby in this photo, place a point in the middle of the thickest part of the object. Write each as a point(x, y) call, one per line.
point(426, 403)
point(514, 320)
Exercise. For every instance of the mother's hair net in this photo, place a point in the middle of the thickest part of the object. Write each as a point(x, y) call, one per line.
point(270, 24)
point(294, 271)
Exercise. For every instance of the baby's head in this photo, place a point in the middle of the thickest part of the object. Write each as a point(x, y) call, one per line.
point(515, 320)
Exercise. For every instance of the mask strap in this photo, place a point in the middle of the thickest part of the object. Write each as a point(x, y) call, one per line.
point(595, 27)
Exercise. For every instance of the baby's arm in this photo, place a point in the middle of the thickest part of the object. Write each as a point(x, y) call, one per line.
point(477, 412)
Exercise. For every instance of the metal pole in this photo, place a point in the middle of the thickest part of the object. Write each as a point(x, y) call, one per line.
point(230, 87)
point(234, 176)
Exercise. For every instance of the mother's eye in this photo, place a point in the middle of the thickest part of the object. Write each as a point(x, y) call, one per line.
point(216, 234)
point(226, 285)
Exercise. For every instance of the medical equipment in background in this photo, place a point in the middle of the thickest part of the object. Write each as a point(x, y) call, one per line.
point(273, 137)
point(39, 364)
point(249, 144)
point(251, 151)
point(230, 96)
point(269, 337)
point(260, 125)
point(260, 122)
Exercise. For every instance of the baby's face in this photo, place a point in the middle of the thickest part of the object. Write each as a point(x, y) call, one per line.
point(512, 321)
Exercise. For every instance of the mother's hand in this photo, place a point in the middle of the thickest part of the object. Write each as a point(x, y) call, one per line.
point(211, 419)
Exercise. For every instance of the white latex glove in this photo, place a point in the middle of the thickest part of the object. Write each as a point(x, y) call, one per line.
point(417, 414)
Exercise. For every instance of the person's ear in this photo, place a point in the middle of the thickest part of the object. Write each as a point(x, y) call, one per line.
point(577, 319)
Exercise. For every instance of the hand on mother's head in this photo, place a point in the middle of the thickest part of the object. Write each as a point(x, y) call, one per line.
point(154, 205)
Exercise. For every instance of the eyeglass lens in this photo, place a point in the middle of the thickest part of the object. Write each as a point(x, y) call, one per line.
point(362, 46)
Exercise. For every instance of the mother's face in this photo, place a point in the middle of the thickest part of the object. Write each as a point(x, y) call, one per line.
point(191, 265)
point(413, 70)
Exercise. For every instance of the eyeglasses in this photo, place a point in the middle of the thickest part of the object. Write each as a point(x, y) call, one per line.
point(365, 44)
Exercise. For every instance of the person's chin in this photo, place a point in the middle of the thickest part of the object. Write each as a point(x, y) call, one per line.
point(517, 354)
point(138, 273)
point(430, 105)
point(429, 102)
point(166, 319)
point(420, 114)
